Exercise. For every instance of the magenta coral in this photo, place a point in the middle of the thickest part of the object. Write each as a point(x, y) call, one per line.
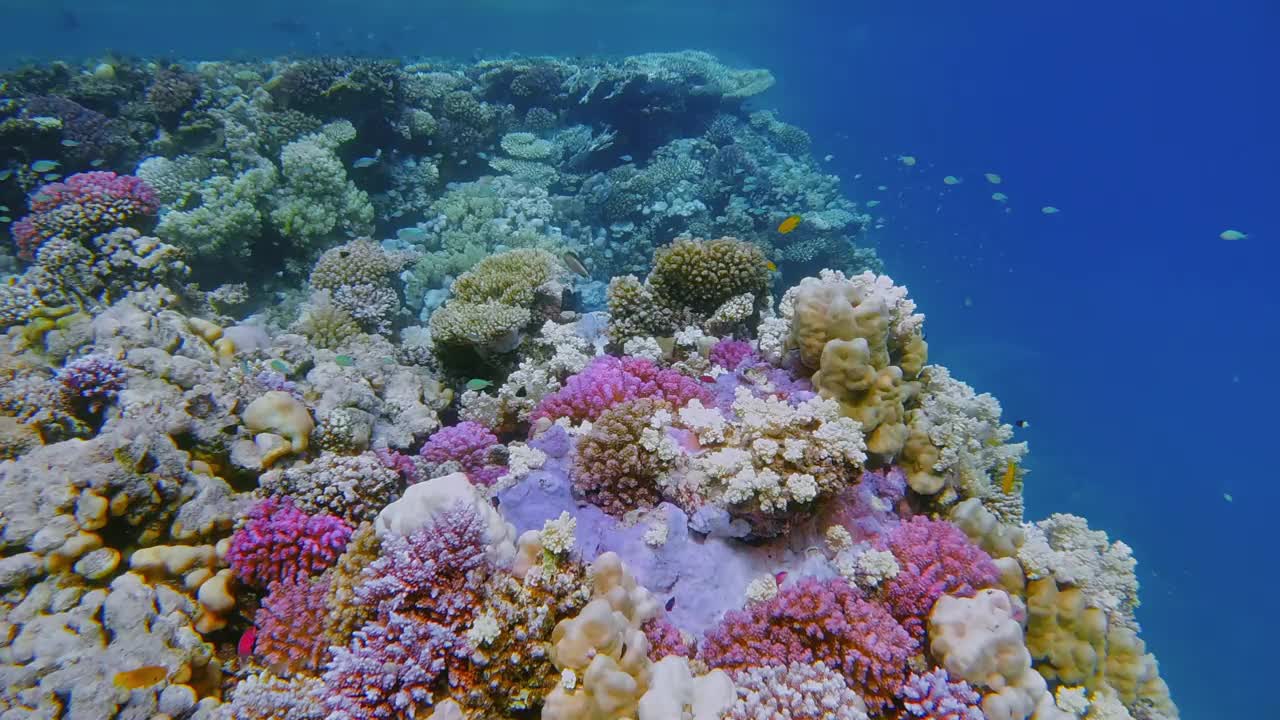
point(608, 381)
point(665, 639)
point(935, 697)
point(83, 207)
point(935, 558)
point(730, 354)
point(437, 574)
point(288, 624)
point(468, 444)
point(390, 670)
point(280, 542)
point(818, 621)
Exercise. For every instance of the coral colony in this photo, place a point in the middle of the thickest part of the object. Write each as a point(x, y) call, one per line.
point(341, 388)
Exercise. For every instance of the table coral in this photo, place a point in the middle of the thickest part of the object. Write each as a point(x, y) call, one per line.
point(815, 621)
point(280, 542)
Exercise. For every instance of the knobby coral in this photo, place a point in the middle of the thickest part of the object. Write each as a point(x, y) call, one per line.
point(280, 542)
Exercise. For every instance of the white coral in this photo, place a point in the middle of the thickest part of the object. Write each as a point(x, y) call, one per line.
point(1064, 548)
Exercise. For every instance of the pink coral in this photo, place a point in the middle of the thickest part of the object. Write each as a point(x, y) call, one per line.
point(437, 574)
point(935, 558)
point(608, 381)
point(665, 639)
point(280, 542)
point(867, 508)
point(288, 624)
point(818, 621)
point(85, 206)
point(469, 444)
point(729, 354)
point(934, 696)
point(390, 670)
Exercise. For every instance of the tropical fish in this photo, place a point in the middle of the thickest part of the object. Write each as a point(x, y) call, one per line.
point(780, 577)
point(773, 267)
point(872, 203)
point(951, 180)
point(993, 178)
point(1009, 478)
point(365, 162)
point(908, 160)
point(145, 676)
point(571, 261)
point(43, 166)
point(999, 197)
point(789, 224)
point(1233, 235)
point(1024, 424)
point(5, 175)
point(280, 366)
point(68, 142)
point(671, 603)
point(50, 177)
point(882, 188)
point(828, 158)
point(97, 162)
point(1227, 497)
point(478, 384)
point(250, 637)
point(1050, 210)
point(344, 360)
point(625, 158)
point(5, 219)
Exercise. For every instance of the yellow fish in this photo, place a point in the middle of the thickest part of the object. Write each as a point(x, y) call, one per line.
point(789, 224)
point(773, 267)
point(1009, 478)
point(145, 676)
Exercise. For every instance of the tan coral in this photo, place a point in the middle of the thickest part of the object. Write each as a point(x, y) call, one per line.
point(280, 413)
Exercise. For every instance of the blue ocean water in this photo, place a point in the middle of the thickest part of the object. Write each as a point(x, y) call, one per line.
point(1137, 343)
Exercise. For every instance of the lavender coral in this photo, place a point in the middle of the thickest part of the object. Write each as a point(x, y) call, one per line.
point(729, 354)
point(608, 381)
point(280, 542)
point(797, 691)
point(86, 205)
point(935, 697)
point(935, 558)
point(471, 446)
point(818, 621)
point(95, 379)
point(388, 671)
point(435, 574)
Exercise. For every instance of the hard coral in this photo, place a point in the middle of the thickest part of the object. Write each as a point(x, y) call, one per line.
point(390, 670)
point(86, 205)
point(935, 696)
point(280, 542)
point(468, 444)
point(797, 691)
point(608, 381)
point(818, 621)
point(704, 274)
point(435, 574)
point(288, 621)
point(94, 378)
point(613, 468)
point(935, 558)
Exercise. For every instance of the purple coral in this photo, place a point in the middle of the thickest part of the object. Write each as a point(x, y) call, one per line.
point(288, 621)
point(935, 697)
point(934, 558)
point(85, 206)
point(280, 542)
point(436, 574)
point(94, 378)
point(866, 508)
point(470, 445)
point(390, 670)
point(730, 354)
point(608, 381)
point(665, 639)
point(818, 621)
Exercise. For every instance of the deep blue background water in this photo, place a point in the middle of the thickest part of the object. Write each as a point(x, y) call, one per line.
point(1140, 346)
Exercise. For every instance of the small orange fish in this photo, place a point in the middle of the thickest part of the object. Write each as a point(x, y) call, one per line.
point(789, 224)
point(145, 676)
point(773, 267)
point(1010, 476)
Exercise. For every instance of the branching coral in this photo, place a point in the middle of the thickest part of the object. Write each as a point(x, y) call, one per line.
point(353, 487)
point(357, 275)
point(281, 542)
point(390, 670)
point(818, 621)
point(608, 381)
point(470, 445)
point(613, 469)
point(287, 623)
point(935, 696)
point(934, 558)
point(82, 207)
point(798, 691)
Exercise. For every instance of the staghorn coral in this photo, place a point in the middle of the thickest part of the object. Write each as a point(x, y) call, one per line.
point(345, 614)
point(934, 559)
point(389, 670)
point(818, 621)
point(612, 468)
point(800, 691)
point(281, 542)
